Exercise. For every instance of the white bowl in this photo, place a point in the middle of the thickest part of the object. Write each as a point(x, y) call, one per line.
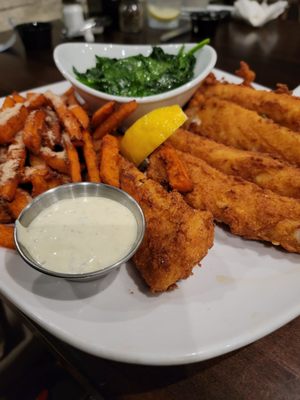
point(82, 56)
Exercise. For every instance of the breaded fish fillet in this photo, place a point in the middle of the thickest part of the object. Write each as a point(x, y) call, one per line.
point(177, 236)
point(247, 209)
point(282, 108)
point(259, 168)
point(233, 125)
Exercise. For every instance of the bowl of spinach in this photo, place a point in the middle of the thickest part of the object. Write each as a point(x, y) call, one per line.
point(155, 76)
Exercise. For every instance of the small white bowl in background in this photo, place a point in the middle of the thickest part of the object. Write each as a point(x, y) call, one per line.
point(82, 57)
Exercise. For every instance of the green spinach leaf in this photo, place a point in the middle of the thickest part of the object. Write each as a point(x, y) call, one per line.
point(140, 76)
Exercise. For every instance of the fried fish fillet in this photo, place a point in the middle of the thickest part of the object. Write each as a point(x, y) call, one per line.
point(259, 168)
point(177, 236)
point(247, 209)
point(233, 125)
point(282, 108)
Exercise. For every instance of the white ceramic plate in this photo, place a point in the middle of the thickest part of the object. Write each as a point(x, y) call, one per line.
point(243, 291)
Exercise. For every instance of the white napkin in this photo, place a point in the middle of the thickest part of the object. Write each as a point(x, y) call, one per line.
point(258, 14)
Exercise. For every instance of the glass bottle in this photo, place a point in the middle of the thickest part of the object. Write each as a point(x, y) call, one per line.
point(131, 16)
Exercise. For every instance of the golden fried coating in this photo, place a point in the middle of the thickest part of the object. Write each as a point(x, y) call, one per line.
point(259, 168)
point(177, 236)
point(280, 107)
point(246, 74)
point(247, 209)
point(233, 125)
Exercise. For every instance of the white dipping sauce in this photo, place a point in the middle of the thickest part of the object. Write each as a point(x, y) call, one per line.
point(80, 235)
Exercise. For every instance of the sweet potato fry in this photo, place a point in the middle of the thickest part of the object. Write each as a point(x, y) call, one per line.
point(12, 168)
point(35, 100)
point(7, 103)
point(39, 185)
point(115, 119)
point(3, 154)
point(12, 121)
point(36, 161)
point(22, 198)
point(177, 173)
point(58, 180)
point(68, 92)
point(17, 97)
point(34, 125)
point(66, 117)
point(80, 114)
point(102, 113)
point(39, 170)
point(7, 236)
point(109, 161)
point(90, 157)
point(57, 160)
point(5, 217)
point(52, 134)
point(74, 165)
point(97, 145)
point(76, 109)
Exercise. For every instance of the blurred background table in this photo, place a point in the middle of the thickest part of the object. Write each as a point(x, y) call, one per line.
point(273, 51)
point(267, 369)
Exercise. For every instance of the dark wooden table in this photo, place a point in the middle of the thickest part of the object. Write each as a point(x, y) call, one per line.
point(270, 367)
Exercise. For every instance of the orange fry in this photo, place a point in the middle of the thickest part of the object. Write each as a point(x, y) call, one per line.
point(76, 109)
point(7, 103)
point(7, 236)
point(12, 168)
point(90, 157)
point(52, 134)
point(57, 160)
point(35, 100)
point(34, 125)
point(115, 119)
point(68, 92)
point(97, 145)
point(103, 113)
point(109, 161)
point(20, 201)
point(36, 161)
point(66, 117)
point(75, 170)
point(17, 97)
point(5, 217)
point(39, 185)
point(177, 173)
point(12, 121)
point(80, 114)
point(3, 154)
point(38, 170)
point(57, 181)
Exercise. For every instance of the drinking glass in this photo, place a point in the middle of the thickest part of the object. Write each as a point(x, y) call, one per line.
point(163, 15)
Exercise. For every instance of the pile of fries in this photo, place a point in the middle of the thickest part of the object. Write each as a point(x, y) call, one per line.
point(47, 140)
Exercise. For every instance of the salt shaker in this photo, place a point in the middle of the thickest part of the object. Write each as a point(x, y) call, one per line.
point(73, 18)
point(131, 16)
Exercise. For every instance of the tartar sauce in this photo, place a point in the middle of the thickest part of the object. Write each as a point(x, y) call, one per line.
point(80, 235)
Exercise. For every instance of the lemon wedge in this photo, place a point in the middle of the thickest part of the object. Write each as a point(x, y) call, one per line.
point(150, 131)
point(163, 13)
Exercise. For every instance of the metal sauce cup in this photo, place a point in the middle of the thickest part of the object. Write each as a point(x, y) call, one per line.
point(71, 191)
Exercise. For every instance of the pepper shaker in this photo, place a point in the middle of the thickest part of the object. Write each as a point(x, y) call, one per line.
point(131, 16)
